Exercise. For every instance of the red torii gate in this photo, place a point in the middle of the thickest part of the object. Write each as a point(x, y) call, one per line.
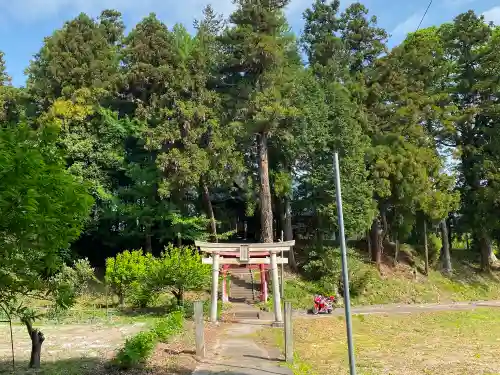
point(251, 255)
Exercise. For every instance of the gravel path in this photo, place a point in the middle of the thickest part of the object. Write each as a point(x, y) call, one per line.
point(405, 308)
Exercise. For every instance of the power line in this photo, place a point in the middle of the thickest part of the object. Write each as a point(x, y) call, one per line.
point(428, 6)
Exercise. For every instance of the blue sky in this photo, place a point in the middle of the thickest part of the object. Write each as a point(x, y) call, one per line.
point(24, 23)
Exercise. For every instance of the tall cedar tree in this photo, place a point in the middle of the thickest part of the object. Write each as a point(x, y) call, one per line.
point(255, 74)
point(338, 124)
point(81, 54)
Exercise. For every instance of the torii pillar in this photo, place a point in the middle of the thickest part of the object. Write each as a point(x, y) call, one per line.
point(278, 314)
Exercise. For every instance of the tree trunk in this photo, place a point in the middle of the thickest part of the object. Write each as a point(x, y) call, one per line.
point(450, 233)
point(210, 211)
point(485, 248)
point(385, 226)
point(446, 257)
point(148, 245)
point(376, 241)
point(426, 250)
point(37, 339)
point(396, 252)
point(369, 242)
point(266, 210)
point(179, 296)
point(289, 233)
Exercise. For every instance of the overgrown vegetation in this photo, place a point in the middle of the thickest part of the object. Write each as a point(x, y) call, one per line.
point(139, 348)
point(142, 278)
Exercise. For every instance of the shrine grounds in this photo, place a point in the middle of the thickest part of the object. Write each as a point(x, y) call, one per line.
point(451, 342)
point(429, 343)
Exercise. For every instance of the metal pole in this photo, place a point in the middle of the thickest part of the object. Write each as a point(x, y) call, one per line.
point(347, 302)
point(282, 273)
point(12, 346)
point(288, 333)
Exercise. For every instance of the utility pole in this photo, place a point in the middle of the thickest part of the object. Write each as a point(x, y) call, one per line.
point(282, 273)
point(347, 299)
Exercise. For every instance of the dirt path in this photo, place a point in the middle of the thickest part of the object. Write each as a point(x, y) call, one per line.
point(406, 309)
point(66, 341)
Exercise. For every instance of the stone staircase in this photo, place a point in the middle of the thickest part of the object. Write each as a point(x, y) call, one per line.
point(243, 294)
point(243, 288)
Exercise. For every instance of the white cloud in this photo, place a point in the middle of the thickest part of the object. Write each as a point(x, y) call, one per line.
point(493, 15)
point(407, 26)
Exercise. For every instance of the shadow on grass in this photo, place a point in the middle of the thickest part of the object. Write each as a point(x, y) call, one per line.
point(81, 366)
point(89, 366)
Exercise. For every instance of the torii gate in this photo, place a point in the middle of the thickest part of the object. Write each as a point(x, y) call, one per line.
point(245, 254)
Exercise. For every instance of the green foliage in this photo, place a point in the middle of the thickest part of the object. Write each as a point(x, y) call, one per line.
point(81, 54)
point(325, 267)
point(136, 350)
point(178, 270)
point(139, 348)
point(125, 274)
point(140, 295)
point(170, 326)
point(42, 210)
point(140, 278)
point(434, 245)
point(70, 282)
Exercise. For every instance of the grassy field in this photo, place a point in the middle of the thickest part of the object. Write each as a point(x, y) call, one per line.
point(451, 343)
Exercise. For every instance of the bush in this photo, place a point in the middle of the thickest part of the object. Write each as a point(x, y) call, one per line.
point(326, 269)
point(434, 244)
point(141, 294)
point(170, 326)
point(126, 269)
point(138, 349)
point(179, 269)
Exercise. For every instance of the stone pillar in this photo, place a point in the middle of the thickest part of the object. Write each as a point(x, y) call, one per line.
point(263, 283)
point(278, 316)
point(215, 287)
point(225, 297)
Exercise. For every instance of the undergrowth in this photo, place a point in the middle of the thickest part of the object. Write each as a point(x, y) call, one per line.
point(403, 283)
point(139, 348)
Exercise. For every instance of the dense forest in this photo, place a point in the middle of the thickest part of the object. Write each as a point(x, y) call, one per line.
point(161, 135)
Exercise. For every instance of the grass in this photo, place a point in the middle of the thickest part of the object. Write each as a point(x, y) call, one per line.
point(452, 343)
point(399, 285)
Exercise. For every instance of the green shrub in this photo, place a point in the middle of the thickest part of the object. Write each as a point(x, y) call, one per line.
point(179, 269)
point(434, 245)
point(170, 326)
point(326, 269)
point(136, 350)
point(125, 269)
point(141, 294)
point(139, 348)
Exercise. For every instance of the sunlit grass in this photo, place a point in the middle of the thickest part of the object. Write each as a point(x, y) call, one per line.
point(452, 343)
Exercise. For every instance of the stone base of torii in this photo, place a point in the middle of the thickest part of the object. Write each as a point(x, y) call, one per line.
point(222, 254)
